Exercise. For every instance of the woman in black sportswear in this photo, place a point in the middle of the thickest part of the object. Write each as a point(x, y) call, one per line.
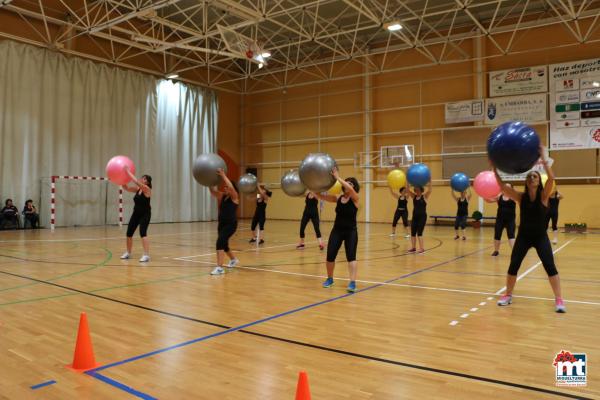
point(228, 202)
point(260, 214)
point(533, 204)
point(344, 228)
point(555, 198)
point(401, 211)
point(419, 218)
point(311, 213)
point(505, 219)
point(462, 212)
point(142, 212)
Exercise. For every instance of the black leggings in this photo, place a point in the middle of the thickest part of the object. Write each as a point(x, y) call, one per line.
point(554, 217)
point(315, 221)
point(336, 237)
point(258, 219)
point(417, 225)
point(460, 222)
point(541, 243)
point(504, 222)
point(143, 220)
point(226, 230)
point(33, 219)
point(400, 214)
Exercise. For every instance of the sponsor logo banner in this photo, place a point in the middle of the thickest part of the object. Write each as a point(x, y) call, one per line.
point(566, 80)
point(464, 111)
point(528, 108)
point(518, 81)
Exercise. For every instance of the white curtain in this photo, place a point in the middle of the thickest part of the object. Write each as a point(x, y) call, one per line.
point(68, 116)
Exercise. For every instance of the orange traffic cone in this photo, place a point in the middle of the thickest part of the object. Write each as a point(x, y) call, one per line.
point(84, 353)
point(302, 390)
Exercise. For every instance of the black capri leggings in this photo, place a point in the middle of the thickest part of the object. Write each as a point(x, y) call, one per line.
point(554, 217)
point(400, 214)
point(258, 219)
point(315, 221)
point(336, 237)
point(226, 230)
point(460, 222)
point(504, 222)
point(417, 225)
point(541, 243)
point(141, 220)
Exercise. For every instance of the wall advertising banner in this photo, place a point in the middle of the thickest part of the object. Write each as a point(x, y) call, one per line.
point(525, 80)
point(575, 105)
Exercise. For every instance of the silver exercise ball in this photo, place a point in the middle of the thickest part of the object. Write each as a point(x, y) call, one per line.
point(315, 172)
point(292, 185)
point(205, 169)
point(247, 183)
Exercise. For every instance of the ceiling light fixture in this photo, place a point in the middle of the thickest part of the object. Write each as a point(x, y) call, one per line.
point(173, 76)
point(393, 26)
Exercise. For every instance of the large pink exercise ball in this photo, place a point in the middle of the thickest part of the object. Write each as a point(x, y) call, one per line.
point(115, 170)
point(485, 185)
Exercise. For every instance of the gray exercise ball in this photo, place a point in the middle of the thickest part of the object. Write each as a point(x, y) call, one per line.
point(291, 184)
point(247, 183)
point(315, 172)
point(205, 169)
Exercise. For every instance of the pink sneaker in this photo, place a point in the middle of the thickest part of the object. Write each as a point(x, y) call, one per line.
point(505, 300)
point(559, 305)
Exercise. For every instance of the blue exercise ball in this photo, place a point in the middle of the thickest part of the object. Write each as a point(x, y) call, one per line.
point(459, 182)
point(513, 147)
point(418, 174)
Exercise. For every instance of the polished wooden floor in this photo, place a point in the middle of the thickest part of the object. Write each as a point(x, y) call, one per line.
point(422, 326)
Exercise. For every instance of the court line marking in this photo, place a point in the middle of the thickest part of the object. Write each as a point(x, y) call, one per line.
point(43, 384)
point(121, 386)
point(414, 366)
point(257, 248)
point(276, 316)
point(405, 285)
point(107, 258)
point(524, 274)
point(25, 240)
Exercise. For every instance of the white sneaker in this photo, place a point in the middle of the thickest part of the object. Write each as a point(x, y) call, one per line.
point(217, 271)
point(233, 263)
point(407, 236)
point(145, 258)
point(125, 256)
point(392, 234)
point(554, 241)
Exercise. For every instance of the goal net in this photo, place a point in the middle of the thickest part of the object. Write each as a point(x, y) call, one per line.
point(80, 201)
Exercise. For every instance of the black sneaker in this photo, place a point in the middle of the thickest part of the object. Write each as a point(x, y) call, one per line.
point(261, 241)
point(253, 240)
point(495, 254)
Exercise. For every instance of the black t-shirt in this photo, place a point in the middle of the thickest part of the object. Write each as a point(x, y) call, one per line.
point(311, 206)
point(227, 210)
point(345, 214)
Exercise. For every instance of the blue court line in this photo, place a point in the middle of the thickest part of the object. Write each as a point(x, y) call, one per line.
point(41, 385)
point(93, 372)
point(121, 386)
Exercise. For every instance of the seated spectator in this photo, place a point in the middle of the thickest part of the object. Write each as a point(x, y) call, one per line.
point(30, 214)
point(10, 214)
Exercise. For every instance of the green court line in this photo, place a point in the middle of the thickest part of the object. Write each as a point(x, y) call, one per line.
point(100, 264)
point(32, 300)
